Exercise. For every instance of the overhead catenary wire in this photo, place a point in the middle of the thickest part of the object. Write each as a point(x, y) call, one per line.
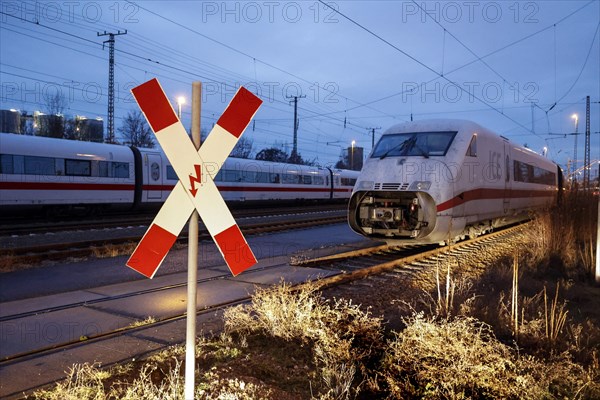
point(159, 63)
point(487, 55)
point(180, 61)
point(419, 62)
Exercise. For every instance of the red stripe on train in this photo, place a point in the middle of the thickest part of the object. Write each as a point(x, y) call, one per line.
point(492, 194)
point(116, 186)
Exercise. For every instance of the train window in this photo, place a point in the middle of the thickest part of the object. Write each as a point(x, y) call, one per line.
point(248, 176)
point(171, 174)
point(6, 164)
point(230, 175)
point(413, 144)
point(103, 169)
point(219, 176)
point(472, 150)
point(39, 165)
point(307, 179)
point(318, 180)
point(348, 181)
point(78, 168)
point(120, 169)
point(291, 179)
point(263, 177)
point(528, 173)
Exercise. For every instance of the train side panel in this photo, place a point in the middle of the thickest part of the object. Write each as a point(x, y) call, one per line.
point(414, 193)
point(39, 171)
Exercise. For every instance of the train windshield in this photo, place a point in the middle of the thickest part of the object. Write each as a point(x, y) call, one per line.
point(423, 144)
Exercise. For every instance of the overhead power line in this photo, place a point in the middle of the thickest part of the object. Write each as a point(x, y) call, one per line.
point(419, 62)
point(498, 50)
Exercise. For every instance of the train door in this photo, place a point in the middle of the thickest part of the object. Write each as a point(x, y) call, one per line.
point(154, 174)
point(507, 177)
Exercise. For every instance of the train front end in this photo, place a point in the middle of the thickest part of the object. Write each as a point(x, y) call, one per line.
point(406, 175)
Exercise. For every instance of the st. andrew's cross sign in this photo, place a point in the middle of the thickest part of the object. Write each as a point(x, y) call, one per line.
point(195, 189)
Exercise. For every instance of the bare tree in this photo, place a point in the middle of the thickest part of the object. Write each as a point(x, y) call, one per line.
point(272, 154)
point(53, 123)
point(135, 131)
point(243, 148)
point(55, 103)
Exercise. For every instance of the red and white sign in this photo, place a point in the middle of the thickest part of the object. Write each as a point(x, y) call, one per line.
point(196, 189)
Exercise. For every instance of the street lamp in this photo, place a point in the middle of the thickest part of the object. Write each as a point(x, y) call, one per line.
point(352, 157)
point(576, 118)
point(180, 102)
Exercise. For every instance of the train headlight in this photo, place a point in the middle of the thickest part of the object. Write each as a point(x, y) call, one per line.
point(420, 185)
point(365, 185)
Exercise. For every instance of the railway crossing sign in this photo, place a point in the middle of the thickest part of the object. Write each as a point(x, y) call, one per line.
point(195, 189)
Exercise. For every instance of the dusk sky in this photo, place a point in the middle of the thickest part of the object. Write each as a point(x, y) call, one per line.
point(370, 65)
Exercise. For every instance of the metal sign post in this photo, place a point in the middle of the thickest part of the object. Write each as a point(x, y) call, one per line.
point(195, 194)
point(192, 283)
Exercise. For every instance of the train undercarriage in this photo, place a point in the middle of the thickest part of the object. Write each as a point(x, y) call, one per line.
point(392, 215)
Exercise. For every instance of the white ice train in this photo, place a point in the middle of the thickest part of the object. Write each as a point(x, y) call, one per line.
point(62, 175)
point(439, 181)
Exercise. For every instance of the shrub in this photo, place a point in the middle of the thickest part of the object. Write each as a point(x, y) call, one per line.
point(452, 360)
point(344, 338)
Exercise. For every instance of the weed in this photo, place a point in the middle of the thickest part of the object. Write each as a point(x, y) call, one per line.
point(84, 381)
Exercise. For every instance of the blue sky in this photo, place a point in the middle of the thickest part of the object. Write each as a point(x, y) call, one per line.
point(373, 64)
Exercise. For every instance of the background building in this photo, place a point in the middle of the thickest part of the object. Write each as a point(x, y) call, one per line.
point(10, 121)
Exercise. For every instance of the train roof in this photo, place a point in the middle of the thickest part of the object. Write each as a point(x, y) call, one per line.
point(459, 125)
point(433, 125)
point(63, 148)
point(60, 148)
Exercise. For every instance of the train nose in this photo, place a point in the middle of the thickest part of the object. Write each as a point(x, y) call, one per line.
point(392, 214)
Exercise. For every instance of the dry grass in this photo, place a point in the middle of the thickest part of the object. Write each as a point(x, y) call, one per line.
point(451, 360)
point(147, 321)
point(563, 237)
point(8, 264)
point(113, 250)
point(555, 317)
point(335, 350)
point(343, 338)
point(525, 327)
point(84, 381)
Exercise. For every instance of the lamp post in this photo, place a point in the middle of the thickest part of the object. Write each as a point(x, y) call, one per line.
point(576, 118)
point(352, 156)
point(180, 102)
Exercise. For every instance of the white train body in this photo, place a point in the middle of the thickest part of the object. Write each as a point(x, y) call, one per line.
point(441, 180)
point(47, 172)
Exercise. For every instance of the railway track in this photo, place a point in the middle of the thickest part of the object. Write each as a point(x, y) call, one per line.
point(21, 226)
point(338, 269)
point(32, 254)
point(359, 264)
point(95, 303)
